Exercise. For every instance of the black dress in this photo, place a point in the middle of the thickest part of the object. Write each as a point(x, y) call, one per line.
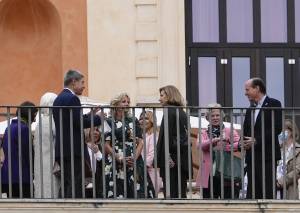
point(119, 172)
point(172, 127)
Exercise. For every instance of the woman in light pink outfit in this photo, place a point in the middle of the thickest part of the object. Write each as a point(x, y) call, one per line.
point(218, 136)
point(149, 146)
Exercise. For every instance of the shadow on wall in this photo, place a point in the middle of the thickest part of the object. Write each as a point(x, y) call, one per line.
point(31, 50)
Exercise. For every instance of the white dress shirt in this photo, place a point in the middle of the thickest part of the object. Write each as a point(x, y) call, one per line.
point(97, 157)
point(258, 106)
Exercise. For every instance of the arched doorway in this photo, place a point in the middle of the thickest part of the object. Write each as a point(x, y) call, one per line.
point(30, 53)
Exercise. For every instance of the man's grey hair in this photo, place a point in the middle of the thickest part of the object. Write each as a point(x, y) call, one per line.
point(72, 75)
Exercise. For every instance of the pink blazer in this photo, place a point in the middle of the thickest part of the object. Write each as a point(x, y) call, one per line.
point(204, 172)
point(149, 161)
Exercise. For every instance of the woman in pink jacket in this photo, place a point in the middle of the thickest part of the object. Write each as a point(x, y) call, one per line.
point(150, 144)
point(217, 137)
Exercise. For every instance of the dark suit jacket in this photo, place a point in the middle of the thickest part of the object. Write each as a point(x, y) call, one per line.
point(268, 102)
point(173, 139)
point(67, 98)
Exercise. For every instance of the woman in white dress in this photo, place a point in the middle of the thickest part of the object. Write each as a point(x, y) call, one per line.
point(44, 146)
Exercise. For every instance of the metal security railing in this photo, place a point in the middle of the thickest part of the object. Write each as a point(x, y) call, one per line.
point(149, 153)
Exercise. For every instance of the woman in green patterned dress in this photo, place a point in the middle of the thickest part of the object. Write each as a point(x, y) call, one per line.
point(122, 149)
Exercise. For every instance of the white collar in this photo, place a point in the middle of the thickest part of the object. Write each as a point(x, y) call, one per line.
point(261, 101)
point(69, 90)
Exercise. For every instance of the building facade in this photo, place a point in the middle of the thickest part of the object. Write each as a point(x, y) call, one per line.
point(207, 48)
point(229, 41)
point(121, 45)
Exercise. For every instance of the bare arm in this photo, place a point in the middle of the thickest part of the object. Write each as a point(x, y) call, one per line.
point(139, 148)
point(108, 148)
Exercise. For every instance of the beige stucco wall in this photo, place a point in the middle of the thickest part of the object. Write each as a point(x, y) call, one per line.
point(135, 46)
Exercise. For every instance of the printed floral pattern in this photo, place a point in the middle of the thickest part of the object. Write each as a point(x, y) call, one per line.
point(119, 173)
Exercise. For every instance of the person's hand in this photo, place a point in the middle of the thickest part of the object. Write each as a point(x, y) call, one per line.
point(220, 144)
point(248, 141)
point(279, 182)
point(129, 161)
point(93, 147)
point(215, 141)
point(100, 112)
point(171, 162)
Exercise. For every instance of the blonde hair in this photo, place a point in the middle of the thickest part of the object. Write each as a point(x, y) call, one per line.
point(117, 100)
point(214, 105)
point(292, 126)
point(173, 95)
point(148, 114)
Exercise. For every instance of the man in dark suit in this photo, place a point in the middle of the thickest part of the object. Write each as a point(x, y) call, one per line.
point(71, 143)
point(258, 121)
